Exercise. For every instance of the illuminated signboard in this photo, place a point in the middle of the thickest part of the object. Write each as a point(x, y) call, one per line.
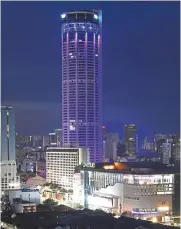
point(109, 167)
point(89, 165)
point(144, 210)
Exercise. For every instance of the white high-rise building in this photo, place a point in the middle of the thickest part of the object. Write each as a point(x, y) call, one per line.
point(9, 178)
point(61, 163)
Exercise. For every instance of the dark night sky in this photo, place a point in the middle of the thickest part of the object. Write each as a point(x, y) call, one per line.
point(141, 57)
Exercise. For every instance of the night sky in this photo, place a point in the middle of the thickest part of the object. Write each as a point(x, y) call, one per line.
point(141, 57)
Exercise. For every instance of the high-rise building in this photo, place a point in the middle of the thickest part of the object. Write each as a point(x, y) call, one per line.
point(163, 140)
point(59, 134)
point(121, 149)
point(45, 141)
point(22, 141)
point(7, 134)
point(111, 143)
point(55, 138)
point(130, 135)
point(9, 178)
point(52, 139)
point(175, 158)
point(166, 149)
point(37, 141)
point(81, 81)
point(148, 146)
point(41, 168)
point(61, 163)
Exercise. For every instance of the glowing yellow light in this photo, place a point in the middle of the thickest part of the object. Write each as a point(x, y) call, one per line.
point(163, 208)
point(119, 165)
point(154, 220)
point(109, 167)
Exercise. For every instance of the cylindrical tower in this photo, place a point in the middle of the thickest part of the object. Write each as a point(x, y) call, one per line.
point(81, 81)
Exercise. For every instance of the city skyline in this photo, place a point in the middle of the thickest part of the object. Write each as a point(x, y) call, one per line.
point(140, 41)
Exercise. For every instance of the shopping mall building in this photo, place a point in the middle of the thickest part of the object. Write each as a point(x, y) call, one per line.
point(139, 189)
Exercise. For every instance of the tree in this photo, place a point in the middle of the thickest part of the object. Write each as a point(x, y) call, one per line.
point(50, 202)
point(5, 204)
point(46, 184)
point(78, 206)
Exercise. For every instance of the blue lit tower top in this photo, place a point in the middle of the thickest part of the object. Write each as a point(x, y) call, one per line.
point(81, 81)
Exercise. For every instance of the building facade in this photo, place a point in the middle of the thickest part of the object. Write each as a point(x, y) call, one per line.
point(104, 137)
point(61, 162)
point(81, 81)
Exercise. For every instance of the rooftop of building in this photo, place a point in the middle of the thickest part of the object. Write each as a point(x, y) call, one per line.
point(22, 190)
point(64, 149)
point(82, 11)
point(79, 219)
point(41, 160)
point(6, 108)
point(90, 16)
point(20, 201)
point(129, 168)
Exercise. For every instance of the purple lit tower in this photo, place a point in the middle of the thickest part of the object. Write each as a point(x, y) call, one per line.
point(81, 81)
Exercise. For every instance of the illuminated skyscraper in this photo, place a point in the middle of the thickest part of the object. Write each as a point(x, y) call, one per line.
point(7, 134)
point(81, 81)
point(130, 135)
point(9, 179)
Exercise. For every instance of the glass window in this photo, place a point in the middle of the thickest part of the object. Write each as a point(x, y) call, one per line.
point(90, 38)
point(81, 36)
point(71, 36)
point(71, 17)
point(89, 17)
point(81, 16)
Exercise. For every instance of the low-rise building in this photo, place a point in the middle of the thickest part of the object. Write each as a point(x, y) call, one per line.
point(31, 195)
point(34, 182)
point(143, 189)
point(22, 206)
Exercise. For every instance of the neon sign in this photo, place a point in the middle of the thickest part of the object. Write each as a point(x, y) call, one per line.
point(89, 165)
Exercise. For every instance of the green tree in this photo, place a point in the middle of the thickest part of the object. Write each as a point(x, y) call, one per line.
point(50, 202)
point(78, 206)
point(5, 204)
